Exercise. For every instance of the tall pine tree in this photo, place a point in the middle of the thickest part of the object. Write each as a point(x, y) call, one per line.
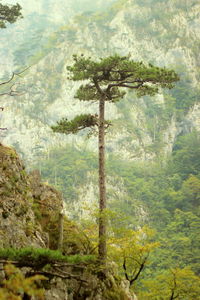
point(106, 80)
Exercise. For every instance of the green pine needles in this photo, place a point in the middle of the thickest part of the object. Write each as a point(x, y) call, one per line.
point(109, 75)
point(40, 256)
point(9, 14)
point(107, 78)
point(78, 123)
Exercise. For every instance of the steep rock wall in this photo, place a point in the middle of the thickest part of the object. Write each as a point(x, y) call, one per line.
point(129, 27)
point(21, 197)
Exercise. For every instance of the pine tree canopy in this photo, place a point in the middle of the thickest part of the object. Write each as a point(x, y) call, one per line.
point(78, 123)
point(9, 14)
point(106, 77)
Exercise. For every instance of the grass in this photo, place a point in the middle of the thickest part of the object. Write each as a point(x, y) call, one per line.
point(42, 256)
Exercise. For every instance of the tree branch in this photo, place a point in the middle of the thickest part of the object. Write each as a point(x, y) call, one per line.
point(13, 75)
point(173, 290)
point(125, 84)
point(125, 269)
point(11, 91)
point(135, 277)
point(97, 86)
point(65, 275)
point(138, 273)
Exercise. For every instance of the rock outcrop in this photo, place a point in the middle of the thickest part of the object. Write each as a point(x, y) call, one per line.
point(18, 225)
point(26, 206)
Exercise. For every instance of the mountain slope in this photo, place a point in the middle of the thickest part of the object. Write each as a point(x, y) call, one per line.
point(127, 27)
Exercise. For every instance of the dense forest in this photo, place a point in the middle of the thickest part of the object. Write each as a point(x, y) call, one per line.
point(163, 195)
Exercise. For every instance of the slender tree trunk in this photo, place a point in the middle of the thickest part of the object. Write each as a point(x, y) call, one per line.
point(60, 230)
point(102, 186)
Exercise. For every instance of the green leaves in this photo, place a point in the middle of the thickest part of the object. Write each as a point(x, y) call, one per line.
point(16, 285)
point(173, 284)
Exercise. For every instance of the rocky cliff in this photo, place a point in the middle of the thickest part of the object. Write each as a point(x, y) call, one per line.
point(18, 224)
point(26, 208)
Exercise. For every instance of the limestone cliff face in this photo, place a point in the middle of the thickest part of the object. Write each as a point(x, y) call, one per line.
point(22, 197)
point(40, 19)
point(165, 33)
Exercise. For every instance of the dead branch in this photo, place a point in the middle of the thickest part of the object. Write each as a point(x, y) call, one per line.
point(65, 275)
point(14, 75)
point(12, 92)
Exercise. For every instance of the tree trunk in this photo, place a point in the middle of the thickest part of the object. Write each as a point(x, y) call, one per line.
point(102, 187)
point(60, 230)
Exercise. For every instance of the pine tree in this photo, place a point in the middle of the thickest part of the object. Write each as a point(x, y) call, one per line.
point(9, 14)
point(106, 80)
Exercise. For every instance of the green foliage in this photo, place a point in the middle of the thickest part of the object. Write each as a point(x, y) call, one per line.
point(75, 125)
point(169, 193)
point(74, 241)
point(116, 72)
point(185, 156)
point(184, 96)
point(9, 14)
point(67, 168)
point(181, 284)
point(114, 293)
point(191, 190)
point(128, 247)
point(158, 189)
point(131, 249)
point(40, 256)
point(16, 286)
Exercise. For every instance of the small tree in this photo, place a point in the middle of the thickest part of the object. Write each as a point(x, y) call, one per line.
point(104, 82)
point(171, 284)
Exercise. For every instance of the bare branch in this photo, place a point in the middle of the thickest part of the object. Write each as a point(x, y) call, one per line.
point(13, 75)
point(65, 275)
point(12, 92)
